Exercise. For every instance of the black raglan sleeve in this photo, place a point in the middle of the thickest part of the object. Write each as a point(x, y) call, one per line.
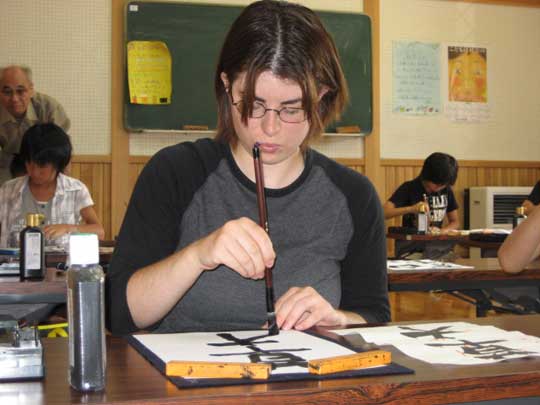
point(364, 271)
point(151, 226)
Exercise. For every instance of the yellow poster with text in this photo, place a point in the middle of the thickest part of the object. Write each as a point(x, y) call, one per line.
point(149, 72)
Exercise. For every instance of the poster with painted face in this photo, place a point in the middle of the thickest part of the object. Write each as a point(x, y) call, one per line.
point(467, 74)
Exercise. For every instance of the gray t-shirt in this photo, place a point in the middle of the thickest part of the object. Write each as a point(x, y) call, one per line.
point(31, 205)
point(326, 227)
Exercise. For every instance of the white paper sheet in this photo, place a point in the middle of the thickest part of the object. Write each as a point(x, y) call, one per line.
point(288, 352)
point(452, 342)
point(424, 264)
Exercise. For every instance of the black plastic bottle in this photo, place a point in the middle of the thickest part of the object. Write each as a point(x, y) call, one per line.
point(519, 217)
point(86, 316)
point(32, 254)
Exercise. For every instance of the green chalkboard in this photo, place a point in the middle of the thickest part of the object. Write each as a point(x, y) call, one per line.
point(194, 34)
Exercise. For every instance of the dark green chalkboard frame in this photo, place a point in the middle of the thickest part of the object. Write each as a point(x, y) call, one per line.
point(194, 33)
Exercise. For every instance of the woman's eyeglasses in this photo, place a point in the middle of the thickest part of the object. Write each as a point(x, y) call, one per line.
point(291, 115)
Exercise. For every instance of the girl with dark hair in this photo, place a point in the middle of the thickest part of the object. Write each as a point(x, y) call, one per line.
point(190, 255)
point(64, 202)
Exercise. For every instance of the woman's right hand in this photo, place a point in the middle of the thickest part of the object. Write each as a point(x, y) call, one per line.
point(240, 244)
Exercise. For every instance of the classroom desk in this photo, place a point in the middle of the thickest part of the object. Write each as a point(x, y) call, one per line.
point(58, 259)
point(486, 274)
point(51, 290)
point(132, 379)
point(479, 248)
point(427, 237)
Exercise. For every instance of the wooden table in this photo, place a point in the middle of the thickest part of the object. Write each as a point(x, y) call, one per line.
point(479, 248)
point(132, 379)
point(427, 237)
point(486, 274)
point(50, 290)
point(58, 259)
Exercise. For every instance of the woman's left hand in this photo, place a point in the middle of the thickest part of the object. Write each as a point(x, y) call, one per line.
point(303, 307)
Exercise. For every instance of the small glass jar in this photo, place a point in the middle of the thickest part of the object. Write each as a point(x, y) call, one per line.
point(14, 233)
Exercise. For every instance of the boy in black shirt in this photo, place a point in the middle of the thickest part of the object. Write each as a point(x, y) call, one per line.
point(438, 174)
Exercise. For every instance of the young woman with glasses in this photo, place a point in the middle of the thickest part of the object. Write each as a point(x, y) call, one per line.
point(191, 256)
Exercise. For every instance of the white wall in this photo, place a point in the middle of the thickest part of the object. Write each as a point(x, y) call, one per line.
point(67, 43)
point(512, 36)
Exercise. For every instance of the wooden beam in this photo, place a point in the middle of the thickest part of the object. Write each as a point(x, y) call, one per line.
point(372, 143)
point(120, 191)
point(514, 3)
point(91, 159)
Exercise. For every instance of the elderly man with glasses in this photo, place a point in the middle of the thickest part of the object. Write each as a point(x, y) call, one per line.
point(20, 108)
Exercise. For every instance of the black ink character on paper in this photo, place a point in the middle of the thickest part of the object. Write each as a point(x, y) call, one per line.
point(437, 333)
point(278, 358)
point(486, 350)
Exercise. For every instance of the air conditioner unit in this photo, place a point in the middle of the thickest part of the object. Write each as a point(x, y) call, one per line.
point(494, 207)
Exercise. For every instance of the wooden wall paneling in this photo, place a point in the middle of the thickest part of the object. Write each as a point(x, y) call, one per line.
point(136, 165)
point(372, 143)
point(95, 173)
point(119, 189)
point(354, 164)
point(104, 201)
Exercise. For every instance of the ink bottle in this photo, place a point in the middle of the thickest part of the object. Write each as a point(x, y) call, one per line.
point(32, 253)
point(422, 220)
point(519, 217)
point(86, 316)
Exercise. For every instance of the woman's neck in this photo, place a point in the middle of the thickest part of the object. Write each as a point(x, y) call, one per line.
point(277, 175)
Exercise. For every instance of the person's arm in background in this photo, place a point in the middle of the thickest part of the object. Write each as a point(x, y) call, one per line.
point(522, 245)
point(391, 211)
point(453, 221)
point(91, 225)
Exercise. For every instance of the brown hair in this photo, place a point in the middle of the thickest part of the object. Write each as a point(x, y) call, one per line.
point(290, 41)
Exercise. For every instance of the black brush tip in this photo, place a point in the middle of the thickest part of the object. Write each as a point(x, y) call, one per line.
point(273, 329)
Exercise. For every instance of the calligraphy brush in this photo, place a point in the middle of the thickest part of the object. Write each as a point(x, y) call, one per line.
point(273, 328)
